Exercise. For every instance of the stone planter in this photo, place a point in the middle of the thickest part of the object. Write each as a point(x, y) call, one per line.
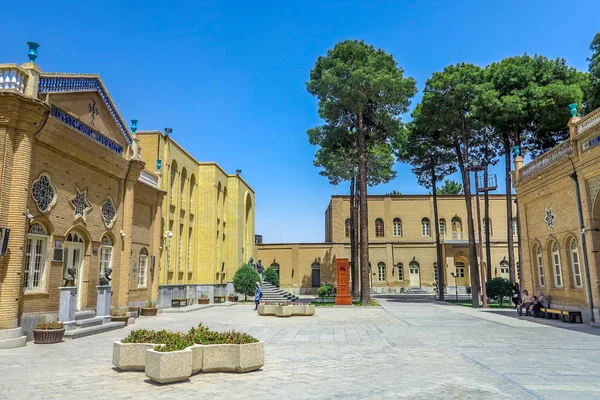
point(197, 357)
point(173, 366)
point(233, 299)
point(114, 318)
point(266, 309)
point(233, 357)
point(131, 356)
point(203, 300)
point(46, 336)
point(284, 311)
point(149, 312)
point(304, 309)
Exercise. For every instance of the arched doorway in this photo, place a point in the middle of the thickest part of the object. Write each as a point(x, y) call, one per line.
point(75, 250)
point(275, 266)
point(461, 274)
point(415, 275)
point(316, 274)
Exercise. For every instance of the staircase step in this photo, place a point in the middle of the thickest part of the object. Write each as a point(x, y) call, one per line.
point(93, 330)
point(84, 323)
point(13, 342)
point(79, 315)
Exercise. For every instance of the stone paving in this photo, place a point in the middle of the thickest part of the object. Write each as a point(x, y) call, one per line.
point(402, 350)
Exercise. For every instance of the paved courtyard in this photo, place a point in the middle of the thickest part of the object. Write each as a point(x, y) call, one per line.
point(402, 350)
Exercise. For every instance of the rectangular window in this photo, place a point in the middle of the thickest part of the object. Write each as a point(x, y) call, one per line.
point(179, 255)
point(169, 245)
point(540, 268)
point(35, 264)
point(105, 258)
point(442, 228)
point(436, 273)
point(189, 255)
point(557, 270)
point(400, 272)
point(142, 271)
point(381, 273)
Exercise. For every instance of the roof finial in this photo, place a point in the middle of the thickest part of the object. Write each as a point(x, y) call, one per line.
point(32, 54)
point(134, 125)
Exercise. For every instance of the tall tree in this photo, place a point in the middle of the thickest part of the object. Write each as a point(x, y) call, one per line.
point(450, 187)
point(448, 100)
point(338, 158)
point(362, 85)
point(526, 101)
point(419, 145)
point(593, 94)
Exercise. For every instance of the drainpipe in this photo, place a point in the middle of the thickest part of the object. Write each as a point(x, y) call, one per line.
point(583, 242)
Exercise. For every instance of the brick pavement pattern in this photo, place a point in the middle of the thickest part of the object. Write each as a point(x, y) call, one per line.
point(403, 350)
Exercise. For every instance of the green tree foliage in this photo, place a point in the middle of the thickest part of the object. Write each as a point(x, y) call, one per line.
point(394, 193)
point(362, 92)
point(450, 187)
point(271, 276)
point(498, 289)
point(323, 291)
point(244, 281)
point(593, 90)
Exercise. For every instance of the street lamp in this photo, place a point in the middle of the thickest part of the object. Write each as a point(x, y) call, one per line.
point(476, 167)
point(455, 276)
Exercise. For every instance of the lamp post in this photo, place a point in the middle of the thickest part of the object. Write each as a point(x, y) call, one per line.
point(476, 167)
point(455, 276)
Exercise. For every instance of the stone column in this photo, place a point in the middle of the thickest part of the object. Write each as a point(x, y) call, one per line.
point(157, 232)
point(20, 119)
point(123, 274)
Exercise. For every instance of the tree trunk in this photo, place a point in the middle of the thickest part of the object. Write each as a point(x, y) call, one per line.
point(356, 241)
point(365, 292)
point(438, 244)
point(473, 267)
point(486, 211)
point(509, 215)
point(353, 241)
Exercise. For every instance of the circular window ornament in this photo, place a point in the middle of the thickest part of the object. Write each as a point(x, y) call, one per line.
point(43, 193)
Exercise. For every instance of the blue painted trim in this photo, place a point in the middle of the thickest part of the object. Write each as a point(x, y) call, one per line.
point(86, 130)
point(51, 84)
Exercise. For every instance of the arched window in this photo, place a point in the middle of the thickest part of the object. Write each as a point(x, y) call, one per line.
point(182, 186)
point(179, 254)
point(400, 268)
point(74, 237)
point(347, 225)
point(555, 257)
point(574, 250)
point(397, 227)
point(540, 265)
point(381, 272)
point(442, 227)
point(425, 227)
point(106, 248)
point(192, 184)
point(456, 224)
point(172, 182)
point(142, 268)
point(379, 231)
point(487, 225)
point(35, 258)
point(515, 226)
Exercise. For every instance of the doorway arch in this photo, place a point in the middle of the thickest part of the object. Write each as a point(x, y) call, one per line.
point(415, 274)
point(74, 258)
point(315, 270)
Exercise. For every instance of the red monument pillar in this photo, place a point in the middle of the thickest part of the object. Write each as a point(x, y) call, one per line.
point(343, 297)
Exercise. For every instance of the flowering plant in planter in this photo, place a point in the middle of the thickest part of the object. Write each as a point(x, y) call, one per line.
point(232, 297)
point(203, 299)
point(150, 309)
point(48, 332)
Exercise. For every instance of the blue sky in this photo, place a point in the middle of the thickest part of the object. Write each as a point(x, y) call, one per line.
point(229, 77)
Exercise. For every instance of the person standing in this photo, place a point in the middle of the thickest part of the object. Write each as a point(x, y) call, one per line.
point(257, 295)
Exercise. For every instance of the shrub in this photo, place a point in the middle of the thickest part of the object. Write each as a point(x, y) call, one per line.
point(150, 304)
point(498, 288)
point(244, 281)
point(271, 276)
point(45, 326)
point(323, 291)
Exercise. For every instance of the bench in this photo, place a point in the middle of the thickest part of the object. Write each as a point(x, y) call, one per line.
point(565, 315)
point(219, 299)
point(179, 302)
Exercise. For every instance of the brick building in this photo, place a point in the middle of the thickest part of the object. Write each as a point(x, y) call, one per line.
point(554, 191)
point(73, 193)
point(402, 248)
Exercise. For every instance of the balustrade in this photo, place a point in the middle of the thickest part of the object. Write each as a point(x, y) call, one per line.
point(13, 78)
point(547, 159)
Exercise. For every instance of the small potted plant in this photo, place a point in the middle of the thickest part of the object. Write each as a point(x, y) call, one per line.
point(203, 299)
point(150, 310)
point(232, 297)
point(48, 332)
point(119, 315)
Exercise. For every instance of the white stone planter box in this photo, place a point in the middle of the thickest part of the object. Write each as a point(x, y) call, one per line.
point(197, 357)
point(233, 357)
point(173, 366)
point(131, 356)
point(304, 309)
point(266, 309)
point(284, 311)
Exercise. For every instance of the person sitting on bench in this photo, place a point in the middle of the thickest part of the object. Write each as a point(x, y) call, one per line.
point(526, 301)
point(542, 302)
